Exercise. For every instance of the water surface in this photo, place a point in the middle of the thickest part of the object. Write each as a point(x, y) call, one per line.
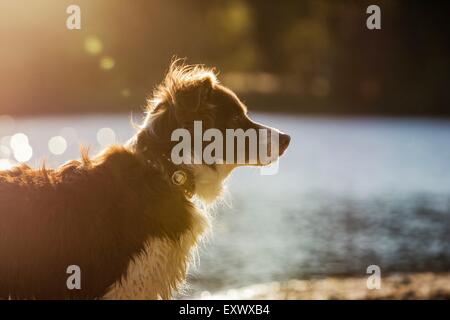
point(349, 193)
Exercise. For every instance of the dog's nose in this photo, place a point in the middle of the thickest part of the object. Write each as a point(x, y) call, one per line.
point(284, 142)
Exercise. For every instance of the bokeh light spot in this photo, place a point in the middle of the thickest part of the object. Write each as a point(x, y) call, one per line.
point(107, 63)
point(106, 137)
point(93, 45)
point(18, 141)
point(125, 92)
point(23, 153)
point(5, 164)
point(57, 145)
point(5, 140)
point(4, 150)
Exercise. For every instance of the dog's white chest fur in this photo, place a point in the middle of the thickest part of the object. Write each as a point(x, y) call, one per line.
point(154, 273)
point(162, 266)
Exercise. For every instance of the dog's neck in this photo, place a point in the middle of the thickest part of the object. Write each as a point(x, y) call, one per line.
point(209, 181)
point(204, 181)
point(179, 176)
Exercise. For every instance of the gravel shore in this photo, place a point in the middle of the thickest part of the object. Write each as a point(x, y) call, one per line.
point(394, 286)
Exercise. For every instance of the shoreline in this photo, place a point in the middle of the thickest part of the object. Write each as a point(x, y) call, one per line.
point(396, 286)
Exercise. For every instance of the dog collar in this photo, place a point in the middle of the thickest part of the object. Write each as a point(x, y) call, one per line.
point(178, 176)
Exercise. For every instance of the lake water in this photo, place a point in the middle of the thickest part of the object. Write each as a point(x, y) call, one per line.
point(350, 192)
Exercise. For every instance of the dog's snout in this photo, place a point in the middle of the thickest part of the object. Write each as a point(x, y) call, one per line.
point(285, 139)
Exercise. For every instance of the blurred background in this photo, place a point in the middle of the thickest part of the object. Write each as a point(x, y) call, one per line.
point(366, 179)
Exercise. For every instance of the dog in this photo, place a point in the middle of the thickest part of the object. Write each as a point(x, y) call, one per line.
point(129, 218)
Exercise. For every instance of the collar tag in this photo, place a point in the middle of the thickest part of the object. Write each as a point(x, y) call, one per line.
point(179, 177)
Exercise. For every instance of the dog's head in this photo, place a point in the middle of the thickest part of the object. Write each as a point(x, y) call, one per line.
point(198, 122)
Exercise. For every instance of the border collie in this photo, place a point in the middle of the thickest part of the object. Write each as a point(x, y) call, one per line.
point(128, 218)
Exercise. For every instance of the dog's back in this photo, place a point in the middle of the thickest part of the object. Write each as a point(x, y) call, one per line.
point(98, 215)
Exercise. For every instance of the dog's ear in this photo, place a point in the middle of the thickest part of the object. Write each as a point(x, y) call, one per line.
point(191, 99)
